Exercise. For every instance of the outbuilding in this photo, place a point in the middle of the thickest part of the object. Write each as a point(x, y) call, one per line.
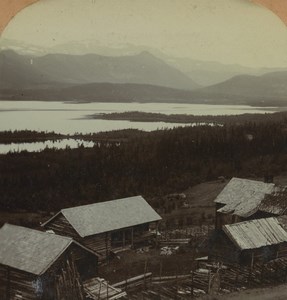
point(249, 242)
point(245, 199)
point(41, 265)
point(108, 226)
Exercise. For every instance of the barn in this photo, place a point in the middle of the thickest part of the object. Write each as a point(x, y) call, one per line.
point(244, 199)
point(249, 242)
point(41, 265)
point(108, 226)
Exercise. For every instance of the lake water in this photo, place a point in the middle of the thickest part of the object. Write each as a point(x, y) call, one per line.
point(70, 118)
point(40, 146)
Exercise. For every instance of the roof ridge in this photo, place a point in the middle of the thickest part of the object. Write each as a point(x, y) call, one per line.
point(37, 231)
point(96, 203)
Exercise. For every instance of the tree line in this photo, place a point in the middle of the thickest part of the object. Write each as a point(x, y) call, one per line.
point(149, 164)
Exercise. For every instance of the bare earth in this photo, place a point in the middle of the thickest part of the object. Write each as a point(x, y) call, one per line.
point(275, 293)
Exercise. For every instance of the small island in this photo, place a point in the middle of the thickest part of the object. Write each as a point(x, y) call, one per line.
point(136, 116)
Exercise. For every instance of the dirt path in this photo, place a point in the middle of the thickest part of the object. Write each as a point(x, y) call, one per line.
point(274, 293)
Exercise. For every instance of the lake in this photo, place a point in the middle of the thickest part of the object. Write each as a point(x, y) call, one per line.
point(70, 118)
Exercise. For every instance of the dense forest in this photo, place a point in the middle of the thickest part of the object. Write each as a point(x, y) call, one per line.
point(150, 164)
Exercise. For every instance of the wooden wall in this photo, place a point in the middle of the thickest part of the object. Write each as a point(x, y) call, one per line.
point(15, 284)
point(222, 249)
point(63, 280)
point(100, 243)
point(61, 226)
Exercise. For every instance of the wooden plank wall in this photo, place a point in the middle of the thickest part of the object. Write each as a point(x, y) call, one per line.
point(15, 284)
point(100, 243)
point(61, 226)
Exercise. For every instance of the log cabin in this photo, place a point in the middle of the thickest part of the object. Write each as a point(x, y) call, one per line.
point(40, 265)
point(250, 242)
point(109, 226)
point(244, 199)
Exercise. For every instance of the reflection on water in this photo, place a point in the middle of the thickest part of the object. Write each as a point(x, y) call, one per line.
point(40, 146)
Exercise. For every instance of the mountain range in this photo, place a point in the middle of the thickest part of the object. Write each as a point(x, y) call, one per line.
point(142, 77)
point(28, 71)
point(204, 73)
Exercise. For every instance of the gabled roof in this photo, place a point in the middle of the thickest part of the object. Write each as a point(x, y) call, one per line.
point(30, 250)
point(256, 233)
point(242, 197)
point(108, 216)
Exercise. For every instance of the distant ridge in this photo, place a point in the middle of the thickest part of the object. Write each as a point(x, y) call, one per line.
point(270, 85)
point(28, 71)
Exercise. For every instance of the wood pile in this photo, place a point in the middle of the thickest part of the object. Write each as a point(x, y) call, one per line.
point(201, 278)
point(98, 288)
point(68, 284)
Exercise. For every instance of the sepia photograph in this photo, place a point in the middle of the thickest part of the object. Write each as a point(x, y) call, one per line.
point(143, 149)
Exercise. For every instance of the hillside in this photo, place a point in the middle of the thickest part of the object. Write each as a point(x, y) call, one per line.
point(209, 73)
point(29, 71)
point(270, 85)
point(101, 92)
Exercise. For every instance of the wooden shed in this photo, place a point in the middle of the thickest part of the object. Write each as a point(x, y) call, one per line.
point(244, 199)
point(108, 226)
point(40, 265)
point(249, 242)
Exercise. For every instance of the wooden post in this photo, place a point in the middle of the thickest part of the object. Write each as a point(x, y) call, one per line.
point(106, 241)
point(132, 229)
point(156, 237)
point(107, 290)
point(176, 281)
point(100, 289)
point(8, 284)
point(192, 283)
point(160, 269)
point(124, 238)
point(209, 282)
point(145, 269)
point(252, 260)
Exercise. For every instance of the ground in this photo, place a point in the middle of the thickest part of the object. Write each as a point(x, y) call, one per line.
point(274, 293)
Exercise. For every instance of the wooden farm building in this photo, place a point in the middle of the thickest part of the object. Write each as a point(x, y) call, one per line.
point(40, 265)
point(108, 226)
point(250, 242)
point(244, 199)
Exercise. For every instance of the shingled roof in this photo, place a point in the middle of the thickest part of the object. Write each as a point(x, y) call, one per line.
point(30, 250)
point(256, 233)
point(108, 216)
point(244, 197)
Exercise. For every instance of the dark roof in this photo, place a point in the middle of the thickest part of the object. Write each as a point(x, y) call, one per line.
point(276, 202)
point(110, 215)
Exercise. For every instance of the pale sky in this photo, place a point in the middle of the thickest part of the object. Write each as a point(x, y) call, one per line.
point(228, 31)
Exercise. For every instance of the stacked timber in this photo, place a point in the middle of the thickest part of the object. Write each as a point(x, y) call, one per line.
point(68, 284)
point(98, 288)
point(201, 279)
